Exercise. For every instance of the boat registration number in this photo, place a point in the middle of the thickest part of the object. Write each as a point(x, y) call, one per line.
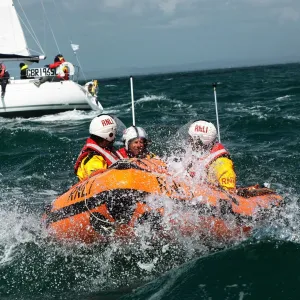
point(40, 72)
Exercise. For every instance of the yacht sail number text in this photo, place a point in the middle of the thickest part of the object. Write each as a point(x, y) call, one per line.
point(40, 72)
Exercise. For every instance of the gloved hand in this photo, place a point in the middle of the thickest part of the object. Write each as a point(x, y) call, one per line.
point(46, 66)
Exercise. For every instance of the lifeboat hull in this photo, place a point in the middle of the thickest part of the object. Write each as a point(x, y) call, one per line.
point(112, 203)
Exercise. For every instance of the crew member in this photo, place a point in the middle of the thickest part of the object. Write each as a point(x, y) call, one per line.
point(98, 151)
point(62, 73)
point(136, 143)
point(214, 161)
point(4, 78)
point(23, 71)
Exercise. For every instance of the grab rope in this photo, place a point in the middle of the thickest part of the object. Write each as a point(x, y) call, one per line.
point(92, 214)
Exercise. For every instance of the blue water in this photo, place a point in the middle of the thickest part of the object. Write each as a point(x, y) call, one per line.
point(259, 118)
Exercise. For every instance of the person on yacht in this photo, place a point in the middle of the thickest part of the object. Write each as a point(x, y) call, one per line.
point(135, 143)
point(63, 73)
point(210, 156)
point(23, 71)
point(98, 151)
point(4, 79)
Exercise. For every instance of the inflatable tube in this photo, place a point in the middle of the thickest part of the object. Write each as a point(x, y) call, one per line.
point(110, 203)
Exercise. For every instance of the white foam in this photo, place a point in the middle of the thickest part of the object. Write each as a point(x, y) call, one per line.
point(66, 116)
point(286, 97)
point(147, 266)
point(16, 229)
point(292, 117)
point(149, 98)
point(160, 98)
point(117, 108)
point(258, 110)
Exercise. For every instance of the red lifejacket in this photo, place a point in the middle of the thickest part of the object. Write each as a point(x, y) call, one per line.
point(3, 69)
point(55, 65)
point(123, 153)
point(218, 150)
point(90, 145)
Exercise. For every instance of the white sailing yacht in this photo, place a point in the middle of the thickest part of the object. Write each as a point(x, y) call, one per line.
point(23, 97)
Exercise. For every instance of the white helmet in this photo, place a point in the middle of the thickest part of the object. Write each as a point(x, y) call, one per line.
point(104, 126)
point(204, 131)
point(133, 132)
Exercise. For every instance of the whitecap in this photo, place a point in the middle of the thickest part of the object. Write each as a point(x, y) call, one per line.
point(286, 97)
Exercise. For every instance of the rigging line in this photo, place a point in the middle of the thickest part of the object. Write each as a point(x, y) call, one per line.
point(70, 40)
point(42, 3)
point(61, 19)
point(32, 32)
point(33, 51)
point(80, 66)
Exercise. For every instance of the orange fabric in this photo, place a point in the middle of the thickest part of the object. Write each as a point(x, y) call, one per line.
point(79, 199)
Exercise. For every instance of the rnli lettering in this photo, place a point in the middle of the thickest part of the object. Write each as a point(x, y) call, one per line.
point(107, 122)
point(229, 180)
point(173, 189)
point(162, 184)
point(203, 129)
point(79, 191)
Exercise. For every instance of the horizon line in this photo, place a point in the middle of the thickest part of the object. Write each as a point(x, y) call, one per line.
point(152, 73)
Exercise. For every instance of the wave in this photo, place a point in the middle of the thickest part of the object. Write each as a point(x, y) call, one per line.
point(64, 116)
point(286, 97)
point(259, 119)
point(148, 98)
point(249, 271)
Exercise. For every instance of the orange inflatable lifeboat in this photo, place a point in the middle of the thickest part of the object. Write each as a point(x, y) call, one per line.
point(111, 203)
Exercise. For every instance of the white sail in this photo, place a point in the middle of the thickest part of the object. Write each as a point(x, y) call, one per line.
point(12, 40)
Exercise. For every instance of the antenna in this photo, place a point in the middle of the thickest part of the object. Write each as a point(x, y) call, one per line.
point(216, 106)
point(132, 101)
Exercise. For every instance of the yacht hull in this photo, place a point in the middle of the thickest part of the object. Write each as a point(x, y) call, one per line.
point(24, 99)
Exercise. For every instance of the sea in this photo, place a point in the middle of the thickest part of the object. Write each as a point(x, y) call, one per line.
point(258, 113)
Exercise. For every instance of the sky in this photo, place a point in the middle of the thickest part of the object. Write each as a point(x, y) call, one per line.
point(120, 37)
